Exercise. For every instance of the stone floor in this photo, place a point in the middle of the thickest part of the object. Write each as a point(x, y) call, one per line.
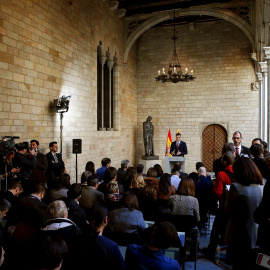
point(203, 263)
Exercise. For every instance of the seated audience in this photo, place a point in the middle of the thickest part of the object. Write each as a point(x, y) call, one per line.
point(97, 251)
point(109, 175)
point(140, 169)
point(137, 183)
point(62, 187)
point(106, 163)
point(121, 171)
point(12, 195)
point(199, 165)
point(90, 195)
point(75, 212)
point(58, 224)
point(152, 255)
point(4, 208)
point(84, 177)
point(177, 165)
point(184, 202)
point(166, 189)
point(90, 167)
point(159, 170)
point(127, 218)
point(175, 180)
point(151, 178)
point(244, 197)
point(53, 253)
point(147, 198)
point(33, 211)
point(112, 197)
point(130, 172)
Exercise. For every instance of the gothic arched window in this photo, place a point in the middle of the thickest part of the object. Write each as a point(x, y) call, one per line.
point(106, 73)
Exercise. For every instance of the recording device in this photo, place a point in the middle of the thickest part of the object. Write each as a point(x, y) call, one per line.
point(36, 149)
point(8, 145)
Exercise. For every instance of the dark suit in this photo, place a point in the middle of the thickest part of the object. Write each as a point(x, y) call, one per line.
point(182, 148)
point(32, 211)
point(26, 165)
point(90, 196)
point(53, 166)
point(42, 163)
point(244, 150)
point(13, 213)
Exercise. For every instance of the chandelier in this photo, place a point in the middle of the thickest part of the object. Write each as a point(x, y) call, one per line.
point(175, 73)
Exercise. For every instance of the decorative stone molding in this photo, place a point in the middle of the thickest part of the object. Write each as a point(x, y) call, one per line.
point(242, 11)
point(120, 13)
point(132, 25)
point(263, 66)
point(113, 5)
point(254, 56)
point(255, 86)
point(259, 76)
point(266, 52)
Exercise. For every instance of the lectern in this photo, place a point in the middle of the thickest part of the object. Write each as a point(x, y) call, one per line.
point(169, 163)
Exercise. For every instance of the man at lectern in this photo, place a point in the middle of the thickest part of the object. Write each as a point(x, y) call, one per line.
point(178, 148)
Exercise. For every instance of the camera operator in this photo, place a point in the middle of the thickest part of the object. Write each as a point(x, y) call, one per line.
point(7, 169)
point(25, 163)
point(42, 163)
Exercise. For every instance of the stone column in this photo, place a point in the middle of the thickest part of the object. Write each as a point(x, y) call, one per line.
point(263, 66)
point(267, 82)
point(110, 65)
point(261, 102)
point(102, 60)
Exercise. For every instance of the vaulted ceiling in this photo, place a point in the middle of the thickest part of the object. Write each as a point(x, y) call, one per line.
point(136, 7)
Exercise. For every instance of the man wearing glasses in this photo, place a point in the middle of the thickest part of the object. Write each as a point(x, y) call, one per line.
point(239, 148)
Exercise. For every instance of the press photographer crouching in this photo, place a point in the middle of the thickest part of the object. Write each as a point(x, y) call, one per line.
point(25, 162)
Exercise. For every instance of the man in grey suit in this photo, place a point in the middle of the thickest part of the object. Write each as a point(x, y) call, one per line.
point(90, 195)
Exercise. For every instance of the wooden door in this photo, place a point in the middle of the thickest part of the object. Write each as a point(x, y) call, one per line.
point(213, 138)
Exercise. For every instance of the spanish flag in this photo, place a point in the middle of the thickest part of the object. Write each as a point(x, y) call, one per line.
point(169, 142)
point(177, 131)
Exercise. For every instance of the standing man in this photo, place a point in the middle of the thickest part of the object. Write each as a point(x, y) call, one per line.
point(178, 148)
point(106, 163)
point(42, 163)
point(25, 163)
point(239, 148)
point(55, 162)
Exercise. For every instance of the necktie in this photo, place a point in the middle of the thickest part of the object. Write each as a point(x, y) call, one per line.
point(55, 158)
point(237, 151)
point(177, 145)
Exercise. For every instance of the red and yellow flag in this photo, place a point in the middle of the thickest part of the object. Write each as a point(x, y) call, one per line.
point(177, 131)
point(168, 145)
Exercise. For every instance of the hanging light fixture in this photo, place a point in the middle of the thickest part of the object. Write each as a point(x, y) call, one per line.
point(175, 73)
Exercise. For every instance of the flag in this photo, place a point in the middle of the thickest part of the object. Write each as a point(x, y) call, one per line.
point(178, 131)
point(168, 145)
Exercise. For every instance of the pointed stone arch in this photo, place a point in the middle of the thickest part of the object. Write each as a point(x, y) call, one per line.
point(194, 11)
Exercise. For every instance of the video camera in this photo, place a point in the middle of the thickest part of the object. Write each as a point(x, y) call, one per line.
point(8, 145)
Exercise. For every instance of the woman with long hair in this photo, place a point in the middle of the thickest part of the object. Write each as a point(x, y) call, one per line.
point(244, 197)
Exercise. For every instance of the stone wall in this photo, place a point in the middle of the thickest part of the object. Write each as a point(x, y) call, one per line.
point(49, 49)
point(219, 54)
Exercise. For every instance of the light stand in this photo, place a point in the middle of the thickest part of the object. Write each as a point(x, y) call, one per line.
point(61, 105)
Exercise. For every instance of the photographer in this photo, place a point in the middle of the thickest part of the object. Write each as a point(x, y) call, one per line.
point(42, 164)
point(26, 164)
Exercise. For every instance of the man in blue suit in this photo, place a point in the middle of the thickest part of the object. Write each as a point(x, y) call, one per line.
point(178, 148)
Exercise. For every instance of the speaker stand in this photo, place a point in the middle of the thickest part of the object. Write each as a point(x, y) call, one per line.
point(76, 168)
